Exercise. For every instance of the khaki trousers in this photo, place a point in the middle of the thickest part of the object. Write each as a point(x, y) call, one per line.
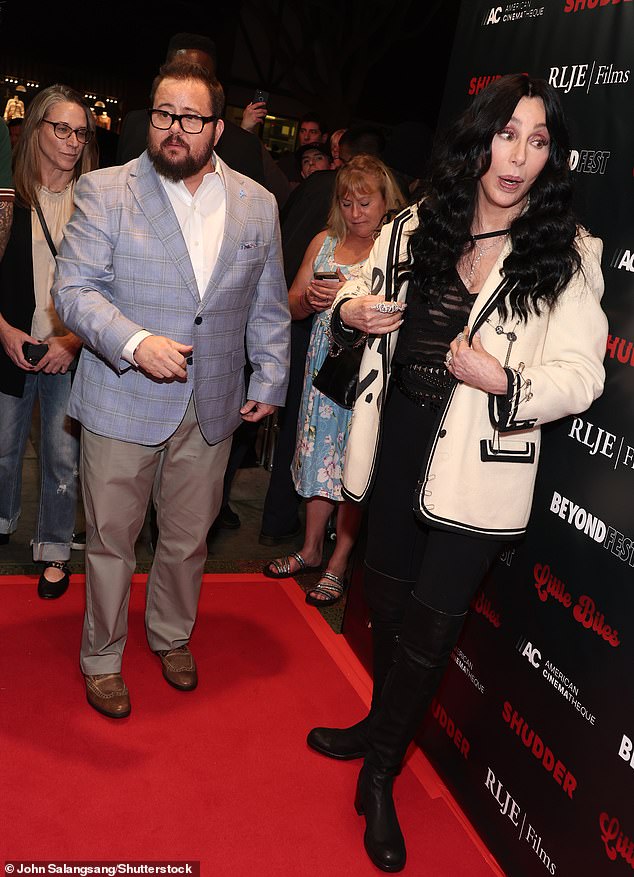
point(185, 474)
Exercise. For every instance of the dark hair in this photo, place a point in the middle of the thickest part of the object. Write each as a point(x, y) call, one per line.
point(543, 257)
point(363, 140)
point(183, 70)
point(312, 117)
point(184, 41)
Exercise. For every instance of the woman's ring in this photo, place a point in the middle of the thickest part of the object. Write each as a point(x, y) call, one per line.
point(386, 307)
point(459, 337)
point(448, 358)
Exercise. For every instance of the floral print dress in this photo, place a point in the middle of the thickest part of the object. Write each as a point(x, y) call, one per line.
point(322, 426)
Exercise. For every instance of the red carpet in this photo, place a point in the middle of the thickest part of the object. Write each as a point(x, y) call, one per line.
point(221, 775)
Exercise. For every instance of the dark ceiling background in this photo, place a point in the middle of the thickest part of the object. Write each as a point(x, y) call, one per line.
point(115, 48)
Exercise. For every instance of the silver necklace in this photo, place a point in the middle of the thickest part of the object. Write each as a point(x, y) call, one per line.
point(482, 251)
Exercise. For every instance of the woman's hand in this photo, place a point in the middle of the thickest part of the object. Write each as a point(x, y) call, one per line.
point(12, 340)
point(361, 313)
point(320, 294)
point(62, 350)
point(474, 366)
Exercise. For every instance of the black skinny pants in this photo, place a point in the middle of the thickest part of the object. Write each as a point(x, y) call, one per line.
point(445, 568)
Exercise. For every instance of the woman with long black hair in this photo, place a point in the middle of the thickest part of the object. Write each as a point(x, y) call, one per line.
point(482, 308)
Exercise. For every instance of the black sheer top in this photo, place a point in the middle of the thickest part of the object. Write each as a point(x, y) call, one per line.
point(418, 365)
point(428, 328)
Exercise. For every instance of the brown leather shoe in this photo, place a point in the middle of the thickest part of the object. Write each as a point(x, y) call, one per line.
point(108, 694)
point(179, 668)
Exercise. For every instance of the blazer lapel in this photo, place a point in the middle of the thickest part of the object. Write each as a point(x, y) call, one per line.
point(237, 209)
point(157, 209)
point(489, 296)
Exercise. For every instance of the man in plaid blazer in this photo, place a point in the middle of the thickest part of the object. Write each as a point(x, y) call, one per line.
point(169, 271)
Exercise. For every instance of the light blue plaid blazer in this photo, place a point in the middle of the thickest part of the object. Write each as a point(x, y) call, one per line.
point(123, 266)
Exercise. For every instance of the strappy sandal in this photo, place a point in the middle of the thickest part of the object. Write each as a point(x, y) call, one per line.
point(331, 586)
point(281, 567)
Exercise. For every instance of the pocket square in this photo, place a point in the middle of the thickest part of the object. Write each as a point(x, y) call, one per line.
point(248, 245)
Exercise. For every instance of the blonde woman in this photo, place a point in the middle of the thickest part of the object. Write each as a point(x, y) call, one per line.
point(365, 192)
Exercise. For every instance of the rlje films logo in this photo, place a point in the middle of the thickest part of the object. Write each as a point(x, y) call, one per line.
point(518, 817)
point(586, 76)
point(611, 539)
point(602, 444)
point(555, 677)
point(517, 11)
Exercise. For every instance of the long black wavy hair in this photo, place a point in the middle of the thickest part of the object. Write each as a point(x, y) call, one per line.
point(543, 257)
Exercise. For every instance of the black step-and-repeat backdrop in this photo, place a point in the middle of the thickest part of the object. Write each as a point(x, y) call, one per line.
point(533, 727)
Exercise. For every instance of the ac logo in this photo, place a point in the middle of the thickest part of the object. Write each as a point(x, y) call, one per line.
point(531, 653)
point(494, 16)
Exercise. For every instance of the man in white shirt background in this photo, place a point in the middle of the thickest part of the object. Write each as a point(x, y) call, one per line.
point(170, 270)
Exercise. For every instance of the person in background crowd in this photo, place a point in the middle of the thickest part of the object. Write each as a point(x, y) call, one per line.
point(38, 353)
point(365, 192)
point(311, 130)
point(275, 180)
point(15, 129)
point(503, 332)
point(313, 157)
point(333, 145)
point(7, 191)
point(239, 149)
point(171, 270)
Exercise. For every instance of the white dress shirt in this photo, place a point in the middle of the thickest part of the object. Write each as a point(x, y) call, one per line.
point(201, 217)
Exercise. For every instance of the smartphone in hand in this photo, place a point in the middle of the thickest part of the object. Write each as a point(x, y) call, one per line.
point(260, 96)
point(33, 353)
point(326, 275)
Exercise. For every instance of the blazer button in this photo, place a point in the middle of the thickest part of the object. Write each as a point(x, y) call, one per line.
point(198, 321)
point(442, 433)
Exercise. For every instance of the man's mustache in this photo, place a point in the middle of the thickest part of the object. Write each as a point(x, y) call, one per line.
point(174, 140)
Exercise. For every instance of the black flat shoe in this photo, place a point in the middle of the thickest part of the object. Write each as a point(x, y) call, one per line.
point(4, 538)
point(48, 590)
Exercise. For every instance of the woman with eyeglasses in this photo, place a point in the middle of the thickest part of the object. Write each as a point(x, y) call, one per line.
point(37, 352)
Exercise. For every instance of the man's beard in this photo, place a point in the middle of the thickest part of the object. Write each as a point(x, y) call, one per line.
point(181, 169)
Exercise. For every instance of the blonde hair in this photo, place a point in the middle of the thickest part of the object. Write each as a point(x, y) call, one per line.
point(26, 160)
point(363, 174)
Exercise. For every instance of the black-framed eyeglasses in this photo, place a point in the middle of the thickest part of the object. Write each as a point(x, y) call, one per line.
point(190, 124)
point(63, 131)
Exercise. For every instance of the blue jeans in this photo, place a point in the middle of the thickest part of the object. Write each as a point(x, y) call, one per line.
point(59, 455)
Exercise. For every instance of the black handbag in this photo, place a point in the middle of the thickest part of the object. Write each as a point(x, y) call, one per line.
point(339, 375)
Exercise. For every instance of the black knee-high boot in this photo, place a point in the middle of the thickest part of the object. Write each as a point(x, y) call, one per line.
point(427, 639)
point(386, 598)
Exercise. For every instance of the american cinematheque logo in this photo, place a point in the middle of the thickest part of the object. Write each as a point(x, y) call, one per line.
point(521, 10)
point(555, 676)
